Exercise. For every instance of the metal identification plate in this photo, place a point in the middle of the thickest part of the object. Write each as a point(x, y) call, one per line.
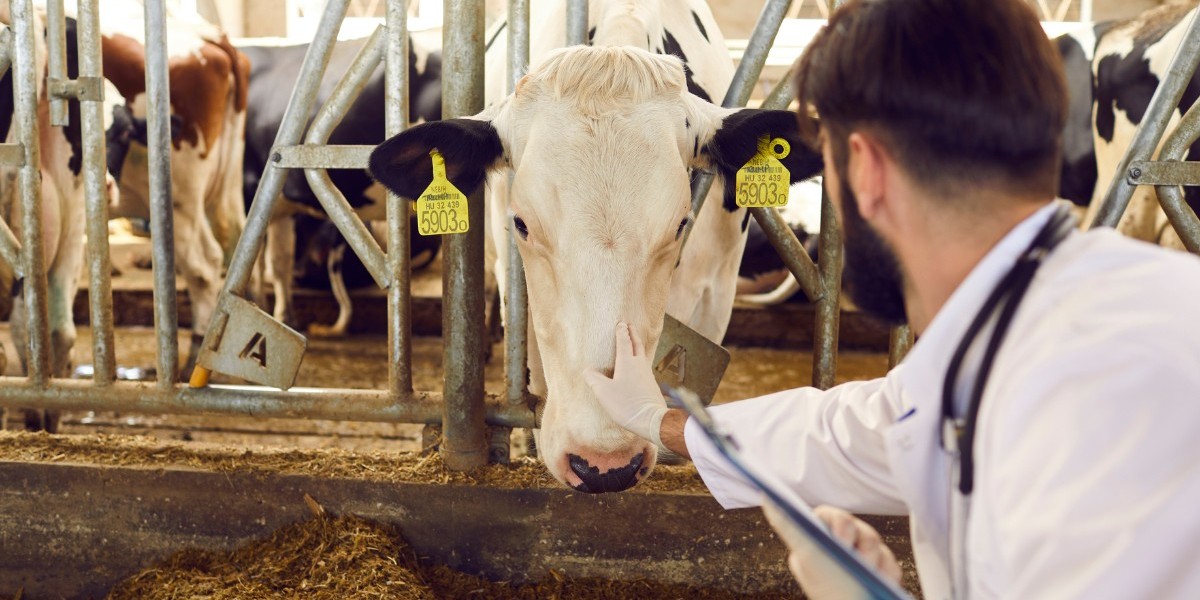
point(254, 346)
point(684, 358)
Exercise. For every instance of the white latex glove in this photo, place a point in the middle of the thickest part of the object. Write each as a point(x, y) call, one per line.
point(814, 570)
point(631, 396)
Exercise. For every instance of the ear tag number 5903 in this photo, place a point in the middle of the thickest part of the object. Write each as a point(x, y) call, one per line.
point(441, 208)
point(763, 180)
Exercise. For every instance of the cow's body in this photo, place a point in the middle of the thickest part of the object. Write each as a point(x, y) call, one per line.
point(273, 74)
point(208, 87)
point(1130, 60)
point(601, 142)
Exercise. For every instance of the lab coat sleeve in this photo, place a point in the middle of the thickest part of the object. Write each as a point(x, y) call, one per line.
point(1093, 471)
point(827, 445)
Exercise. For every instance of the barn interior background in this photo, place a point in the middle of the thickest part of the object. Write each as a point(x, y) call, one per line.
point(247, 476)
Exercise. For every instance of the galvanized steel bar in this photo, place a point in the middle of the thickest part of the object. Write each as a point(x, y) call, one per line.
point(56, 62)
point(577, 22)
point(10, 249)
point(829, 311)
point(464, 444)
point(396, 115)
point(516, 305)
point(1164, 172)
point(162, 217)
point(791, 251)
point(900, 339)
point(1182, 217)
point(308, 403)
point(12, 155)
point(320, 156)
point(25, 127)
point(1154, 123)
point(91, 116)
point(783, 93)
point(335, 204)
point(291, 128)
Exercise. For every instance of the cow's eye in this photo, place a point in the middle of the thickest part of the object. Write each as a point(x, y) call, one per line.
point(522, 229)
point(682, 225)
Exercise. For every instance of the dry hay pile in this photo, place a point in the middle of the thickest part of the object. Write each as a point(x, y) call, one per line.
point(327, 558)
point(396, 467)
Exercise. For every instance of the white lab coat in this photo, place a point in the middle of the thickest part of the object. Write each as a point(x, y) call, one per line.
point(1087, 464)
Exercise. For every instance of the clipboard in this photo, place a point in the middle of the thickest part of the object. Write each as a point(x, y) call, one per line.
point(861, 580)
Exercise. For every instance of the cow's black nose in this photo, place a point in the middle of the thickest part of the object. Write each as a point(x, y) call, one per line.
point(613, 480)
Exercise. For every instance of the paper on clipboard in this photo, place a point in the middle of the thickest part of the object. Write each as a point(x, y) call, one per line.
point(860, 579)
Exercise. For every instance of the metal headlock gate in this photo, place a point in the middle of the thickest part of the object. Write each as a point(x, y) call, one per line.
point(463, 409)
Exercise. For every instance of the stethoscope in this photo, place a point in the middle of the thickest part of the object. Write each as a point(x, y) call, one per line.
point(958, 434)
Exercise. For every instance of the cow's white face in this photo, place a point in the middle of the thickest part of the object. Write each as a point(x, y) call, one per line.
point(600, 142)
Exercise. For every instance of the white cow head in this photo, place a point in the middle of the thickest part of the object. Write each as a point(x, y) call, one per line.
point(600, 142)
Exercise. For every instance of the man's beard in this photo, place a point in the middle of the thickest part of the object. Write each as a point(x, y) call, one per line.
point(872, 276)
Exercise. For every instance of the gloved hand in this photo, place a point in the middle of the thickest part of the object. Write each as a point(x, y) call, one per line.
point(814, 570)
point(631, 396)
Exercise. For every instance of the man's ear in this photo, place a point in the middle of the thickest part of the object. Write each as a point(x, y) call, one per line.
point(470, 147)
point(736, 142)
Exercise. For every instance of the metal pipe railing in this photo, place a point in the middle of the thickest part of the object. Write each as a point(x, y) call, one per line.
point(339, 210)
point(56, 60)
point(1154, 123)
point(900, 340)
point(829, 311)
point(516, 305)
point(91, 117)
point(1170, 197)
point(331, 404)
point(464, 443)
point(577, 22)
point(162, 216)
point(24, 123)
point(291, 128)
point(399, 295)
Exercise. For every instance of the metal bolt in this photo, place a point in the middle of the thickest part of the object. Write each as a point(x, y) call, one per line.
point(1135, 173)
point(276, 157)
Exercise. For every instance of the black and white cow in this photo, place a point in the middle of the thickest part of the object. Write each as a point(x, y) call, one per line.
point(601, 142)
point(1131, 58)
point(274, 71)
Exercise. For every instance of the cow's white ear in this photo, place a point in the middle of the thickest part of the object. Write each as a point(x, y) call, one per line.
point(735, 141)
point(470, 146)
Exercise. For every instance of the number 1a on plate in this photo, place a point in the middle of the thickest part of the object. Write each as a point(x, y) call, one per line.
point(441, 208)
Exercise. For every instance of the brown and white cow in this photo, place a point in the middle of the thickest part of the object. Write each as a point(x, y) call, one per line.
point(601, 143)
point(208, 87)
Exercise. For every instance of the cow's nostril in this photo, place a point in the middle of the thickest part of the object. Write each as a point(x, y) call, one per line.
point(613, 480)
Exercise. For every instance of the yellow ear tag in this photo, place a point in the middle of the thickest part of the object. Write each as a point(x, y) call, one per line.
point(763, 180)
point(441, 208)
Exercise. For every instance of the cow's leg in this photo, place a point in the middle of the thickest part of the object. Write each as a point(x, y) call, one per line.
point(337, 283)
point(198, 259)
point(281, 253)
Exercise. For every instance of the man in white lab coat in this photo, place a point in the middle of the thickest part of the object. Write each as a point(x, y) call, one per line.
point(1073, 401)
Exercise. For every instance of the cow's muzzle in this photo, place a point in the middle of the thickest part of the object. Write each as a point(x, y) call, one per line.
point(592, 481)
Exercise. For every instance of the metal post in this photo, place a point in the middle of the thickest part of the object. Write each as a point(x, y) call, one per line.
point(327, 119)
point(900, 339)
point(464, 444)
point(782, 95)
point(1182, 218)
point(271, 184)
point(25, 126)
point(396, 115)
point(789, 248)
point(91, 116)
point(162, 218)
point(56, 61)
point(829, 311)
point(577, 22)
point(1149, 132)
point(516, 334)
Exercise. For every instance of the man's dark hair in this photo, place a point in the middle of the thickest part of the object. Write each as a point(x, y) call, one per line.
point(958, 90)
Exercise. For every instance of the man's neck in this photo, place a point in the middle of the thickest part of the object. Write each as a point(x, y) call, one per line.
point(951, 245)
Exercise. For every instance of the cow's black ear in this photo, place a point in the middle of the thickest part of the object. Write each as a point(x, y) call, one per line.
point(737, 142)
point(470, 148)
